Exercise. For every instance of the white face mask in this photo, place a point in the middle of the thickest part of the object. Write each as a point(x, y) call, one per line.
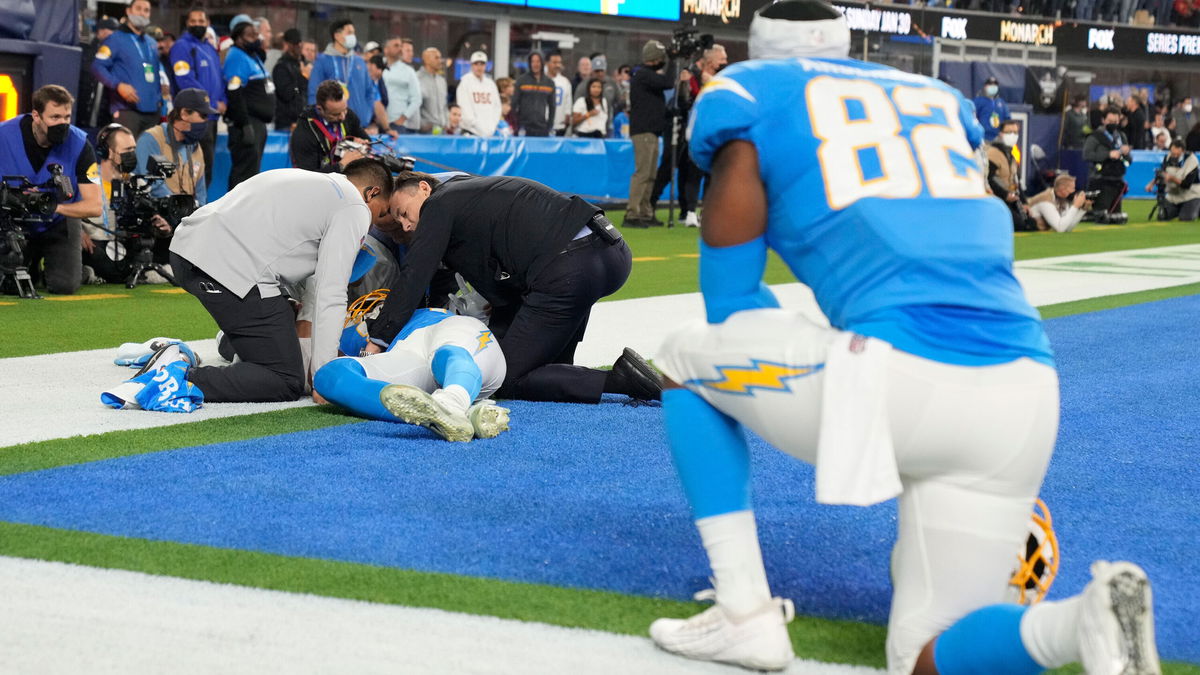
point(1187, 107)
point(350, 41)
point(1010, 139)
point(991, 90)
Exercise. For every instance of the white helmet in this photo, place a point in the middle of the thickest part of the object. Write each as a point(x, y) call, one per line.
point(791, 28)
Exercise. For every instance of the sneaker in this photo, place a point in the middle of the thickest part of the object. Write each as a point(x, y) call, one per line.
point(488, 419)
point(636, 378)
point(1116, 622)
point(692, 220)
point(415, 406)
point(759, 640)
point(636, 222)
point(166, 355)
point(152, 277)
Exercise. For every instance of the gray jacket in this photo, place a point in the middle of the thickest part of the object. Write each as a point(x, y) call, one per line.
point(434, 110)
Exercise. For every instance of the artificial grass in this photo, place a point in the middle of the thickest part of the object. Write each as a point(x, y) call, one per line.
point(1115, 301)
point(79, 449)
point(820, 639)
point(664, 264)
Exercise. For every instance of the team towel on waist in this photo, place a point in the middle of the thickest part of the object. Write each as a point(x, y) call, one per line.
point(163, 389)
point(856, 463)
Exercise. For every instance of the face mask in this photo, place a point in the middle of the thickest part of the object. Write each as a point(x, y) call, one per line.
point(57, 133)
point(197, 133)
point(252, 47)
point(128, 161)
point(198, 32)
point(1111, 127)
point(991, 90)
point(350, 41)
point(1187, 107)
point(138, 21)
point(1010, 139)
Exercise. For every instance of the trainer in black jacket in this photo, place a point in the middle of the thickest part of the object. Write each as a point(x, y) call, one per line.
point(541, 258)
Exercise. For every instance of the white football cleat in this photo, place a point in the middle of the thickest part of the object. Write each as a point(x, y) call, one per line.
point(416, 406)
point(692, 220)
point(488, 419)
point(758, 641)
point(1116, 622)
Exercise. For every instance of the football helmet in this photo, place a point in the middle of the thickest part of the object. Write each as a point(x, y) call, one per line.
point(1037, 564)
point(364, 307)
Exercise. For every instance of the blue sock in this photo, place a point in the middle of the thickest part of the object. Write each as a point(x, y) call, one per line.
point(344, 382)
point(710, 454)
point(986, 641)
point(455, 365)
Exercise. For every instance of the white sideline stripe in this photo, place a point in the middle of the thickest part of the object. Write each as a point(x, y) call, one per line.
point(58, 395)
point(61, 618)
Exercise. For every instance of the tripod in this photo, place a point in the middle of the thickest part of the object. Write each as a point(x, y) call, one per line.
point(143, 261)
point(12, 266)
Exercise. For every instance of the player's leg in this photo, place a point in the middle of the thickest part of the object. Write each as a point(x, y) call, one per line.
point(734, 375)
point(344, 381)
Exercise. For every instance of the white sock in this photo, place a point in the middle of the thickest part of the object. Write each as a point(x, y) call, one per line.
point(731, 540)
point(1049, 631)
point(454, 396)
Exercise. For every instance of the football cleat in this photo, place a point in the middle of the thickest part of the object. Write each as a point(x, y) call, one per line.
point(1037, 565)
point(488, 419)
point(415, 406)
point(364, 307)
point(758, 641)
point(1116, 622)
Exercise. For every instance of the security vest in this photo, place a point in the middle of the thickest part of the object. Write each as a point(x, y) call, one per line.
point(189, 167)
point(15, 162)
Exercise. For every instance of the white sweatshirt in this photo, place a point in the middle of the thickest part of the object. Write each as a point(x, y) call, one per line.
point(480, 103)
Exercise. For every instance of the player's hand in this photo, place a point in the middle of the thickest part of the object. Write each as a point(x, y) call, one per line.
point(372, 348)
point(89, 246)
point(1080, 198)
point(127, 92)
point(319, 399)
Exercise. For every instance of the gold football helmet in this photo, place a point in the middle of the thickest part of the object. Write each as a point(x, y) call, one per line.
point(360, 309)
point(1037, 565)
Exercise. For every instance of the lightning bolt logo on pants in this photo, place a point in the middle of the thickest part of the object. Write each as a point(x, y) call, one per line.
point(765, 375)
point(485, 339)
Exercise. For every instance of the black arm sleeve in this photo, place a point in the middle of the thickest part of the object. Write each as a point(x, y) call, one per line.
point(1190, 179)
point(428, 246)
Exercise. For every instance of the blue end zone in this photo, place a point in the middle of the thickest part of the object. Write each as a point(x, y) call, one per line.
point(585, 496)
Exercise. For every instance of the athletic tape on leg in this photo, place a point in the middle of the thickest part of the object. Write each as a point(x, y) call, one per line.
point(344, 382)
point(710, 454)
point(985, 642)
point(455, 365)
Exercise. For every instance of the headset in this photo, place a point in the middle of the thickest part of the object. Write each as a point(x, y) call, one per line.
point(102, 138)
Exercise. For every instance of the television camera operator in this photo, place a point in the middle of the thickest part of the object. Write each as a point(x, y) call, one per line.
point(649, 119)
point(1107, 153)
point(1178, 184)
point(322, 127)
point(32, 146)
point(180, 141)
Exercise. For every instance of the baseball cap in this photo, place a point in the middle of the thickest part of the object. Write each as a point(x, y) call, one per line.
point(991, 80)
point(653, 51)
point(240, 18)
point(194, 99)
point(479, 56)
point(600, 63)
point(292, 36)
point(370, 46)
point(108, 23)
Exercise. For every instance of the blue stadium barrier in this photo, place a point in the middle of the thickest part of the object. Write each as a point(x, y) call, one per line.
point(597, 169)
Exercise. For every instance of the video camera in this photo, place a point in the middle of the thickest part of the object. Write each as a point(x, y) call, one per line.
point(688, 43)
point(22, 203)
point(136, 207)
point(393, 162)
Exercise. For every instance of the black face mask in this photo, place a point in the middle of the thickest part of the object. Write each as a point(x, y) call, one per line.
point(1111, 127)
point(57, 133)
point(198, 32)
point(197, 133)
point(127, 161)
point(253, 47)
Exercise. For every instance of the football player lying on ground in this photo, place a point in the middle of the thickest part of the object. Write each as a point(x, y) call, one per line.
point(437, 373)
point(935, 383)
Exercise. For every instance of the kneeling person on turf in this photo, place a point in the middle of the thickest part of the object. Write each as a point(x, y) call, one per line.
point(935, 383)
point(437, 373)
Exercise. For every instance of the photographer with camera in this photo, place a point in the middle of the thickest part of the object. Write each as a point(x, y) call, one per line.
point(1178, 184)
point(648, 119)
point(34, 146)
point(1107, 153)
point(105, 257)
point(322, 127)
point(179, 139)
point(1058, 208)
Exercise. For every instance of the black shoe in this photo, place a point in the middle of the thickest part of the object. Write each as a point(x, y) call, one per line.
point(633, 376)
point(636, 222)
point(654, 222)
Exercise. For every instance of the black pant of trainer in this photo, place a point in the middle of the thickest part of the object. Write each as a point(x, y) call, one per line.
point(262, 332)
point(246, 145)
point(539, 335)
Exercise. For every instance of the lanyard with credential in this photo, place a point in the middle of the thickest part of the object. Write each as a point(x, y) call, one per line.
point(142, 50)
point(331, 137)
point(339, 64)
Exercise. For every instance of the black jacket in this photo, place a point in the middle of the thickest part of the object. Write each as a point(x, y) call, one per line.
point(1095, 153)
point(498, 232)
point(310, 149)
point(533, 103)
point(291, 90)
point(647, 107)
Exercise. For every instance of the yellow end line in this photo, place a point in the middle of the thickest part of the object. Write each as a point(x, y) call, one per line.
point(170, 291)
point(84, 298)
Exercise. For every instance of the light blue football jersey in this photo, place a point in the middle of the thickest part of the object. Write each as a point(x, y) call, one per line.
point(877, 203)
